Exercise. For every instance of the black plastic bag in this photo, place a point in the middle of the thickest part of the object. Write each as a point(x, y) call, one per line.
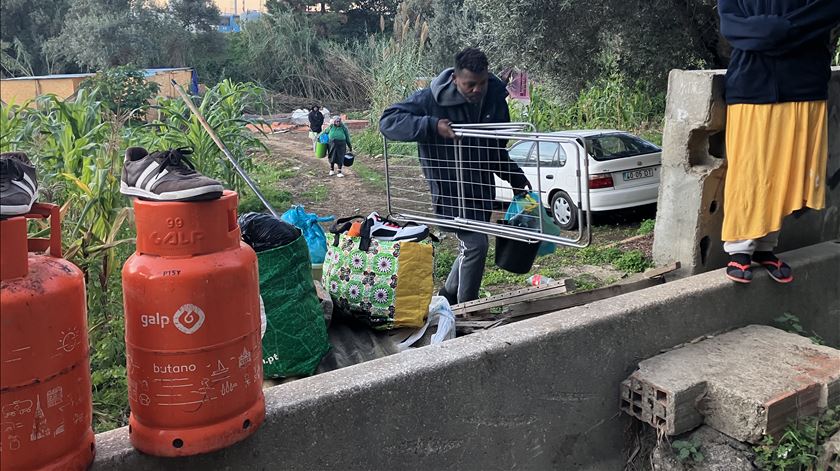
point(264, 232)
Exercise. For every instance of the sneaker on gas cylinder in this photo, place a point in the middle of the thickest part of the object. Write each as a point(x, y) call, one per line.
point(18, 184)
point(165, 176)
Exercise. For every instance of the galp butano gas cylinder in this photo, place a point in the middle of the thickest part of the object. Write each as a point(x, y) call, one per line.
point(45, 396)
point(192, 329)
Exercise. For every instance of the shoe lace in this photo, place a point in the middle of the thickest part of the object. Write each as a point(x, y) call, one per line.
point(176, 161)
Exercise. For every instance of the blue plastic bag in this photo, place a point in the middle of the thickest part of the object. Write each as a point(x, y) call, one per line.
point(525, 210)
point(324, 138)
point(316, 240)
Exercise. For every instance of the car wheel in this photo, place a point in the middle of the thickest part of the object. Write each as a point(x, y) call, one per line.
point(564, 211)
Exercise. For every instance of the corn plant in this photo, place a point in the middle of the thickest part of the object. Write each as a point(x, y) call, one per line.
point(223, 106)
point(68, 134)
point(16, 129)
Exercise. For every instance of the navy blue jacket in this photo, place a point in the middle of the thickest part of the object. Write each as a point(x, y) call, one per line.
point(416, 119)
point(781, 49)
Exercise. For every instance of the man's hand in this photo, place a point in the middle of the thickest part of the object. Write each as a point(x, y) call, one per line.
point(522, 191)
point(444, 129)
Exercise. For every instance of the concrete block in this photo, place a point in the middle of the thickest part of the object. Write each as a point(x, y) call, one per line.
point(688, 219)
point(745, 383)
point(690, 209)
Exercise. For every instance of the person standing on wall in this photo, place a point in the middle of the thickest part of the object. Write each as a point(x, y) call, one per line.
point(467, 93)
point(316, 124)
point(339, 145)
point(776, 125)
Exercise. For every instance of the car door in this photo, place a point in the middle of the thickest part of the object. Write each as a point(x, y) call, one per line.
point(519, 153)
point(546, 153)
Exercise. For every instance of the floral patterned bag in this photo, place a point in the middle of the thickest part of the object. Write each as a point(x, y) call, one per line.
point(385, 284)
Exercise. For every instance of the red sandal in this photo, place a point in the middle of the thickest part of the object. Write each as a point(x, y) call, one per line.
point(739, 269)
point(777, 269)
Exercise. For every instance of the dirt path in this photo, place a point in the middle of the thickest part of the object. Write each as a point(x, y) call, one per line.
point(309, 184)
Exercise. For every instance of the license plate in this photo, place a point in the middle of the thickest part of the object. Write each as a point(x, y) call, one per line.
point(637, 174)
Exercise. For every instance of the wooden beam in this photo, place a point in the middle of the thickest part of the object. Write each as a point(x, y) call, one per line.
point(516, 296)
point(542, 306)
point(644, 280)
point(519, 308)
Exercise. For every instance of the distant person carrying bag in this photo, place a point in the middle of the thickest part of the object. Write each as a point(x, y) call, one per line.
point(339, 144)
point(316, 123)
point(776, 124)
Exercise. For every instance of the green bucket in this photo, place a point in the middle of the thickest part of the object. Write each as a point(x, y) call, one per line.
point(320, 150)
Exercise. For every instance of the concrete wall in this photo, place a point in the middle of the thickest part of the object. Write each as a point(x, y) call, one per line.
point(690, 210)
point(538, 394)
point(20, 90)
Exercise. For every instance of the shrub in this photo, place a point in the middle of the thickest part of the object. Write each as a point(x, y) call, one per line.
point(123, 90)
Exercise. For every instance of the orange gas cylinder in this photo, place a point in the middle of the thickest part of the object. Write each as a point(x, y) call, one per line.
point(44, 371)
point(192, 329)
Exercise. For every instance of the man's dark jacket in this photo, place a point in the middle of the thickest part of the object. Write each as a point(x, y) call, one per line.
point(781, 50)
point(416, 119)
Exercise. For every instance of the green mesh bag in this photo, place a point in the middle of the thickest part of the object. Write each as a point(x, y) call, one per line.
point(295, 336)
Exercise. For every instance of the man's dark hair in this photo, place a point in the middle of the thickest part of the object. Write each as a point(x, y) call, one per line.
point(471, 59)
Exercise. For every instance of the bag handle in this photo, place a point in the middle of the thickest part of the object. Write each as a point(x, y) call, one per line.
point(342, 225)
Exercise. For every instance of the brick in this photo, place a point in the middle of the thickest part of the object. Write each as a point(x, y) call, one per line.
point(745, 383)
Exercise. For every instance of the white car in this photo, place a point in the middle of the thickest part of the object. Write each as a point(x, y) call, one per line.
point(623, 172)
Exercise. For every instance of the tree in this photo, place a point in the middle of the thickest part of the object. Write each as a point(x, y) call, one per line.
point(195, 15)
point(102, 33)
point(449, 29)
point(571, 43)
point(26, 25)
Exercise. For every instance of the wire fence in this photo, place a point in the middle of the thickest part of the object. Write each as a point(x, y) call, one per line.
point(469, 182)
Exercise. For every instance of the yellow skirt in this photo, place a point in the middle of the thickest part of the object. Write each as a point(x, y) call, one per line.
point(776, 163)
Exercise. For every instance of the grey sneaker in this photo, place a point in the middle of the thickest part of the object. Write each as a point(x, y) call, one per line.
point(165, 176)
point(18, 184)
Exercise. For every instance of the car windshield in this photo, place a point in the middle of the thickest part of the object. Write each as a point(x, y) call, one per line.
point(617, 146)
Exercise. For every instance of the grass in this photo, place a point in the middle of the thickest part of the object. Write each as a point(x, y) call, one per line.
point(369, 175)
point(444, 258)
point(801, 444)
point(586, 282)
point(556, 266)
point(264, 175)
point(317, 193)
point(646, 227)
point(496, 276)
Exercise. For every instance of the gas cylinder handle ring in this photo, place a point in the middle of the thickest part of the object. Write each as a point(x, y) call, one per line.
point(53, 244)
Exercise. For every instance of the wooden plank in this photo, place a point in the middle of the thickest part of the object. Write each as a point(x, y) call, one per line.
point(520, 295)
point(534, 302)
point(644, 280)
point(541, 306)
point(663, 270)
point(474, 324)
